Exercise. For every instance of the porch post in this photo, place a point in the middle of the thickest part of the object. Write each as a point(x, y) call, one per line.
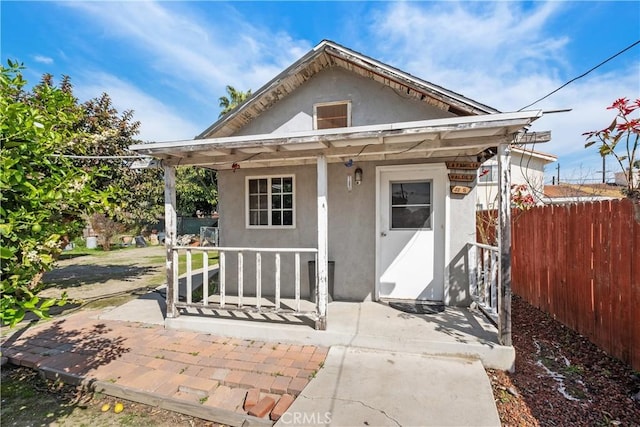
point(170, 228)
point(504, 243)
point(323, 221)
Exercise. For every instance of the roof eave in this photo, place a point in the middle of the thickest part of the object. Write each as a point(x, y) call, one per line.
point(525, 117)
point(464, 136)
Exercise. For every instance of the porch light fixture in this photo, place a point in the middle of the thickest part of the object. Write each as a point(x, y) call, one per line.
point(357, 176)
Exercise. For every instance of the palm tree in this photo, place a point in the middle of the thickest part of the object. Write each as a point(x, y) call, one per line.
point(235, 98)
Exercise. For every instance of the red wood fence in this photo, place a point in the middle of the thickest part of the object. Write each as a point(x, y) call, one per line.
point(581, 264)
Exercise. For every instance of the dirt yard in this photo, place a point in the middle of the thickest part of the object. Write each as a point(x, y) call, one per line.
point(562, 379)
point(94, 281)
point(121, 271)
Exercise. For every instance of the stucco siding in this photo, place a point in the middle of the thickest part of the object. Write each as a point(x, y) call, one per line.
point(233, 230)
point(352, 239)
point(371, 103)
point(461, 231)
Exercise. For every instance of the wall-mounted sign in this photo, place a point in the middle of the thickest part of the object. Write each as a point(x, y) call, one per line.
point(462, 165)
point(463, 177)
point(460, 189)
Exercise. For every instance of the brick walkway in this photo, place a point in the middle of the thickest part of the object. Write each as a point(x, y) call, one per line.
point(210, 376)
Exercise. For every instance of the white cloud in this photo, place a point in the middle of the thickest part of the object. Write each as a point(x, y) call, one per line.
point(506, 54)
point(158, 121)
point(43, 59)
point(472, 48)
point(588, 99)
point(180, 44)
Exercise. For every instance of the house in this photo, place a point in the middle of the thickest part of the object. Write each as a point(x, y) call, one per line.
point(563, 193)
point(351, 168)
point(622, 178)
point(527, 168)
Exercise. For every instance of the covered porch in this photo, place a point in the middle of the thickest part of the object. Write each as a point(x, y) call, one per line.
point(428, 141)
point(457, 332)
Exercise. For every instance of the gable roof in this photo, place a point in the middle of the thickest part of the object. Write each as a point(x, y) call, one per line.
point(475, 130)
point(330, 54)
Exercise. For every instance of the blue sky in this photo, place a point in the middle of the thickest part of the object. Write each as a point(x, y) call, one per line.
point(170, 61)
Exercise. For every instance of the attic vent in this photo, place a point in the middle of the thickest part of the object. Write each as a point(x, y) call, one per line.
point(332, 115)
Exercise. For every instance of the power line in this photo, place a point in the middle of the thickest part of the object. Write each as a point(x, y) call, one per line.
point(70, 156)
point(582, 75)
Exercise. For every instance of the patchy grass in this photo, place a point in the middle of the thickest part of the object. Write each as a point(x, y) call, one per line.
point(110, 302)
point(196, 261)
point(79, 251)
point(30, 400)
point(198, 295)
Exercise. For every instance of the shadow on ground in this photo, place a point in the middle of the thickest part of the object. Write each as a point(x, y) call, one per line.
point(78, 275)
point(458, 324)
point(84, 347)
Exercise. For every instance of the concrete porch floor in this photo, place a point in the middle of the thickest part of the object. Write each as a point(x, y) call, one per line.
point(458, 332)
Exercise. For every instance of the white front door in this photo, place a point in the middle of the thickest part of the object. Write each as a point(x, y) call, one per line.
point(410, 229)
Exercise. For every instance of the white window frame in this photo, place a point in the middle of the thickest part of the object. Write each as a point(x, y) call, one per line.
point(269, 202)
point(326, 104)
point(491, 168)
point(430, 204)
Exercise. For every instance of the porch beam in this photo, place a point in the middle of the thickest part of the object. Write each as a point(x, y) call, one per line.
point(394, 144)
point(504, 243)
point(170, 226)
point(323, 237)
point(507, 122)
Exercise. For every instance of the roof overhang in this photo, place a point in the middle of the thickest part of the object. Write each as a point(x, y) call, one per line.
point(439, 138)
point(545, 157)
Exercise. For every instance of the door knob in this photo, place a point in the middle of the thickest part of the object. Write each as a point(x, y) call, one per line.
point(383, 234)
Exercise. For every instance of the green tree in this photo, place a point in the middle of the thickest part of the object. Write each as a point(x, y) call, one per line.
point(44, 196)
point(235, 98)
point(109, 135)
point(621, 140)
point(196, 189)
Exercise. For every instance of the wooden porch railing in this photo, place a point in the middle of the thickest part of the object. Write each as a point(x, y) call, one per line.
point(484, 262)
point(241, 301)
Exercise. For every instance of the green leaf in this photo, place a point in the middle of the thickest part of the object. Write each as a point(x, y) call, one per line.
point(5, 229)
point(589, 144)
point(48, 303)
point(31, 304)
point(6, 253)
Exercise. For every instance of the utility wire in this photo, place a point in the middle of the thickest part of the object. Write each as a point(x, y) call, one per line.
point(70, 156)
point(582, 75)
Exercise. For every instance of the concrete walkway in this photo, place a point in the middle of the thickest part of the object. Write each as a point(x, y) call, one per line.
point(128, 353)
point(359, 387)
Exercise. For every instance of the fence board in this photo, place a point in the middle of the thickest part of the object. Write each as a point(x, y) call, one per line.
point(635, 293)
point(621, 271)
point(581, 264)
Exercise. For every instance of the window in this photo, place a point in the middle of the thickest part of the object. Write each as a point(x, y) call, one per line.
point(332, 115)
point(488, 174)
point(410, 205)
point(270, 202)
